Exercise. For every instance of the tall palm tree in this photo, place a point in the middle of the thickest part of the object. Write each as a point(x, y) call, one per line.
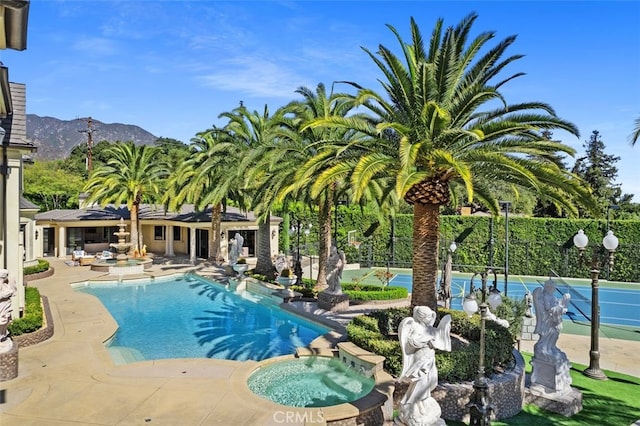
point(132, 176)
point(311, 174)
point(453, 130)
point(207, 178)
point(250, 131)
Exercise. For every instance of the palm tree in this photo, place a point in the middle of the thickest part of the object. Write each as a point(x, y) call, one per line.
point(452, 130)
point(636, 132)
point(206, 177)
point(251, 131)
point(132, 176)
point(313, 173)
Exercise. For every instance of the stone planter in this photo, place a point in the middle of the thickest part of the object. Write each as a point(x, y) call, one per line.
point(286, 282)
point(505, 394)
point(240, 268)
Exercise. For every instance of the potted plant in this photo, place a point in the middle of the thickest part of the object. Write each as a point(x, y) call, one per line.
point(286, 278)
point(286, 273)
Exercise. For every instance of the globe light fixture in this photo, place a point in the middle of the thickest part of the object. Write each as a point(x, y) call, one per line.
point(610, 243)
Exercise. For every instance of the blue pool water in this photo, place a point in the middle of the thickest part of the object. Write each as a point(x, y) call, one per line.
point(194, 318)
point(617, 306)
point(309, 382)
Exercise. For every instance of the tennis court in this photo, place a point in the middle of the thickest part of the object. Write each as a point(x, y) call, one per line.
point(618, 305)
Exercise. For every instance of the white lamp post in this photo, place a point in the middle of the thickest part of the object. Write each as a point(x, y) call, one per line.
point(610, 243)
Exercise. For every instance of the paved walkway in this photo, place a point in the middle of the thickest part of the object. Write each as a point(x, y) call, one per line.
point(71, 379)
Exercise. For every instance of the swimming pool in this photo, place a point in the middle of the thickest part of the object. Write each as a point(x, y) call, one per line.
point(192, 317)
point(617, 306)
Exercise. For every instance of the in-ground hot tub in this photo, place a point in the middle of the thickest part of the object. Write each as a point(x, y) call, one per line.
point(351, 388)
point(310, 381)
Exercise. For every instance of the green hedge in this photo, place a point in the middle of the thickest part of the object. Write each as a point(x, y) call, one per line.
point(42, 266)
point(363, 292)
point(32, 319)
point(536, 245)
point(458, 365)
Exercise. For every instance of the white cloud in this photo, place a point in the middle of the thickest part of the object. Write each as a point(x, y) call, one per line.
point(256, 77)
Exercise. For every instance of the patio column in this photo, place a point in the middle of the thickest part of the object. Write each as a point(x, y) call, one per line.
point(192, 246)
point(62, 238)
point(168, 249)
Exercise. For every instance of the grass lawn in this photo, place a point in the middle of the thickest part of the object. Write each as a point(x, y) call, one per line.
point(614, 402)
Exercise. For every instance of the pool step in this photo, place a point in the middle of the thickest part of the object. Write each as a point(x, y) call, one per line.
point(124, 355)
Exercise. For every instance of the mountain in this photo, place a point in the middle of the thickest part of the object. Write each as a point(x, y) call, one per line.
point(55, 138)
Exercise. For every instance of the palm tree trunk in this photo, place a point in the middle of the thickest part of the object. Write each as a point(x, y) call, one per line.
point(135, 231)
point(324, 241)
point(214, 238)
point(426, 232)
point(264, 266)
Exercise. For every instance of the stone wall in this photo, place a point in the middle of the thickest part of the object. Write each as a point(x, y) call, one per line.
point(506, 394)
point(528, 325)
point(39, 275)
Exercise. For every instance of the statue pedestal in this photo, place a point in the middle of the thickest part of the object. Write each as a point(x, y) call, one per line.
point(549, 387)
point(566, 403)
point(333, 302)
point(8, 360)
point(553, 376)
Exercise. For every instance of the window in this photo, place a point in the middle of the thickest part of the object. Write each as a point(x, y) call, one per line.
point(177, 233)
point(158, 232)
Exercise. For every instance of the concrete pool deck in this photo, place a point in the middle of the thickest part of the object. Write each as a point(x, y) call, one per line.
point(71, 378)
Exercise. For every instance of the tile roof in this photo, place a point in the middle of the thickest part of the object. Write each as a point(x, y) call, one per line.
point(147, 212)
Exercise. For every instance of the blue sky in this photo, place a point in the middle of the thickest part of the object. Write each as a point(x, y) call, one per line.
point(171, 67)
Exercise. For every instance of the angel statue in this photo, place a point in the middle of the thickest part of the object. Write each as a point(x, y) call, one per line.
point(418, 340)
point(549, 311)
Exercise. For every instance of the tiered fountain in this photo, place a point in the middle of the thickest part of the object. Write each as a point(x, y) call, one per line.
point(123, 265)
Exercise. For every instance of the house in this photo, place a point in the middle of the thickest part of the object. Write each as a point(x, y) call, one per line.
point(14, 210)
point(186, 232)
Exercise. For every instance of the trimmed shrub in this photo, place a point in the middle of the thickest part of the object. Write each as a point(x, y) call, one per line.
point(32, 319)
point(363, 292)
point(458, 365)
point(42, 266)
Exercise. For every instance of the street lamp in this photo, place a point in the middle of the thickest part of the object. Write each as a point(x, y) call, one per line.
point(610, 243)
point(610, 207)
point(298, 265)
point(506, 205)
point(479, 408)
point(445, 284)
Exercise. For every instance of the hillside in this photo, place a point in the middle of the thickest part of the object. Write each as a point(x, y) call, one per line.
point(55, 138)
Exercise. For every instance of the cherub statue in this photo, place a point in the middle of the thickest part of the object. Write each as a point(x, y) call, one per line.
point(418, 340)
point(7, 290)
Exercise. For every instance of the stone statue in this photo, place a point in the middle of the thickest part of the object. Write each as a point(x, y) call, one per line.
point(549, 311)
point(239, 244)
point(281, 263)
point(550, 365)
point(418, 340)
point(233, 252)
point(529, 300)
point(335, 266)
point(7, 289)
point(493, 317)
point(235, 248)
